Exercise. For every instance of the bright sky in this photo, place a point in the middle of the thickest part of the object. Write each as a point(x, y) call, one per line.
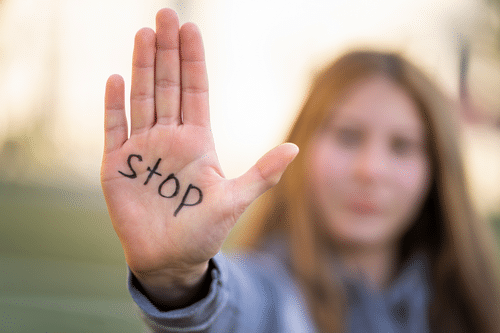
point(260, 57)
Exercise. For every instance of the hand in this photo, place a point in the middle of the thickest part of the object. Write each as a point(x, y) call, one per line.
point(169, 202)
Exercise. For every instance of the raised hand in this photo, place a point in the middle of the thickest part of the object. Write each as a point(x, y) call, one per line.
point(166, 194)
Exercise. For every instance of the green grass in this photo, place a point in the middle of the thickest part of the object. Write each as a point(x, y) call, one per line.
point(50, 295)
point(61, 223)
point(61, 264)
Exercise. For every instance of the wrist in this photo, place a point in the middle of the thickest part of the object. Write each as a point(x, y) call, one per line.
point(170, 289)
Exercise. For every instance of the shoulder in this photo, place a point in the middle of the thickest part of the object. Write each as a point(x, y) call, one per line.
point(267, 275)
point(270, 262)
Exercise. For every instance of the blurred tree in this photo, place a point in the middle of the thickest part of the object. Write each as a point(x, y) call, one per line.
point(495, 20)
point(479, 54)
point(28, 151)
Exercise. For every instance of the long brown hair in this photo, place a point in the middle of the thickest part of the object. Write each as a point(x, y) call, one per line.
point(461, 247)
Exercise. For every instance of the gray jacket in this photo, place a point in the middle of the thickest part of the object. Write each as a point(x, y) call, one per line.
point(255, 292)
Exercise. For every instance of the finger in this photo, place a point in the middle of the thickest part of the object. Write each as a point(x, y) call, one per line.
point(115, 121)
point(263, 175)
point(167, 79)
point(142, 107)
point(194, 81)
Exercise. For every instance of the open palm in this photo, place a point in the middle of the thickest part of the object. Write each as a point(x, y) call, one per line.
point(167, 197)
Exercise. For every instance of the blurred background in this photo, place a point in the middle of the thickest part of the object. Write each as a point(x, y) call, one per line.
point(61, 265)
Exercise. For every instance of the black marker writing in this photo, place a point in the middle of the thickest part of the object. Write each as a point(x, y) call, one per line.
point(177, 185)
point(183, 202)
point(129, 161)
point(153, 172)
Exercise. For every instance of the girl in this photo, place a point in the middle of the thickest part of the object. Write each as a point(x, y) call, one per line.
point(369, 230)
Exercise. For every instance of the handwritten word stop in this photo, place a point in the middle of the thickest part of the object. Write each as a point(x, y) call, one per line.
point(167, 183)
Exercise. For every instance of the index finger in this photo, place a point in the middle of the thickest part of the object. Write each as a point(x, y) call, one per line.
point(194, 80)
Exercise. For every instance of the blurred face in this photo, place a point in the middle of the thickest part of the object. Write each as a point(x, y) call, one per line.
point(369, 170)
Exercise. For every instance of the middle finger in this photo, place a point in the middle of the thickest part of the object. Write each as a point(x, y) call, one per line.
point(167, 78)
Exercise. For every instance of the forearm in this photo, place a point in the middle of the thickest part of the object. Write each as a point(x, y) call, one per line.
point(202, 315)
point(246, 294)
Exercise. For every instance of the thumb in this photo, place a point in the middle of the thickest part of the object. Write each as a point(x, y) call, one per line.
point(263, 175)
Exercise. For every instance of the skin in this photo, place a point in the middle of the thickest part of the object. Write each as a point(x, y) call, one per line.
point(370, 173)
point(170, 120)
